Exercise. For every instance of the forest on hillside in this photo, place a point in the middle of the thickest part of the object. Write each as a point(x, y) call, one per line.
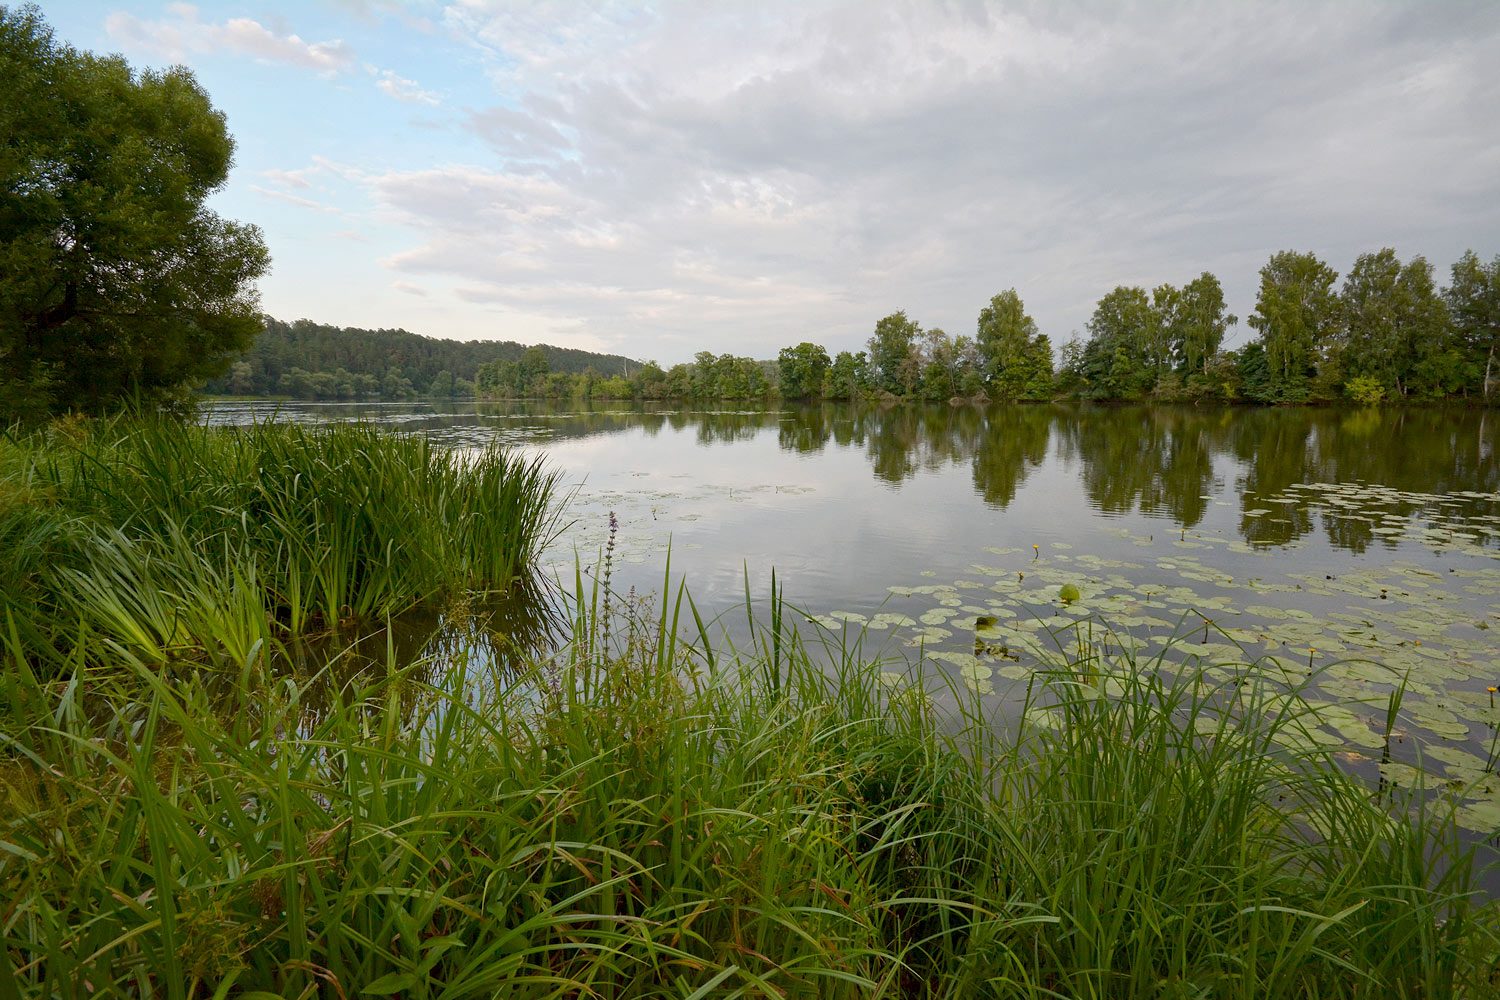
point(307, 360)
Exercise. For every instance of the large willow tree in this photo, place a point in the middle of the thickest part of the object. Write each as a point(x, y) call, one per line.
point(116, 283)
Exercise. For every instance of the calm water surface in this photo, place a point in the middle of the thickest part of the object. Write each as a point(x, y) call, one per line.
point(1361, 542)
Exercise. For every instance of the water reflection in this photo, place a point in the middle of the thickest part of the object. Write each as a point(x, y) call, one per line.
point(1014, 442)
point(1161, 462)
point(492, 636)
point(1158, 461)
point(1425, 454)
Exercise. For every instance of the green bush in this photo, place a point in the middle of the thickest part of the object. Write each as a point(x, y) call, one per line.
point(1364, 390)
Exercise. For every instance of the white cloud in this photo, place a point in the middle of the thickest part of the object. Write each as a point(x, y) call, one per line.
point(288, 178)
point(177, 38)
point(403, 89)
point(292, 199)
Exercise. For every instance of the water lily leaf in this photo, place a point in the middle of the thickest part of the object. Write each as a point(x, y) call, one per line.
point(957, 659)
point(1479, 817)
point(1043, 717)
point(1454, 757)
point(1447, 730)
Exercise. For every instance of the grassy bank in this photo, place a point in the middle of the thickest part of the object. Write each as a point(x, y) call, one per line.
point(637, 819)
point(170, 541)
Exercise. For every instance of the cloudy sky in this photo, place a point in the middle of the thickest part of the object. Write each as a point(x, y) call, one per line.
point(656, 179)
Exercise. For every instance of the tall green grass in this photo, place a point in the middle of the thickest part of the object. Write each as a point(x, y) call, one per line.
point(173, 540)
point(640, 816)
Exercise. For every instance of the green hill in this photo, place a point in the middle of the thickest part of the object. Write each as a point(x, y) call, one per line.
point(310, 360)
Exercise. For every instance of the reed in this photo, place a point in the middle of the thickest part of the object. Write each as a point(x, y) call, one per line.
point(191, 542)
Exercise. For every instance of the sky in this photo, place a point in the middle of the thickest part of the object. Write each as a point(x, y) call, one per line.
point(657, 179)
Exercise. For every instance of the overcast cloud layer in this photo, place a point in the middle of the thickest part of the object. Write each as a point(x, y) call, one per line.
point(661, 179)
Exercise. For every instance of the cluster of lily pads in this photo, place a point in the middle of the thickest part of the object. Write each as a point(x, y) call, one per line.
point(1465, 521)
point(1352, 640)
point(1416, 619)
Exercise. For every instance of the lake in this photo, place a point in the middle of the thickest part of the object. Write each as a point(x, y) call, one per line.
point(1356, 545)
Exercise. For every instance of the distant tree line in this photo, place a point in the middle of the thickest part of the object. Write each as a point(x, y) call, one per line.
point(307, 360)
point(706, 377)
point(1389, 333)
point(1006, 359)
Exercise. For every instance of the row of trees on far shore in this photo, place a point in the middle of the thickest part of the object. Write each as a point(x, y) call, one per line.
point(1389, 333)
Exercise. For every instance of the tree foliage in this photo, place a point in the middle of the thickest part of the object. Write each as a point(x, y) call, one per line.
point(1474, 302)
point(801, 370)
point(1117, 361)
point(1198, 323)
point(1005, 332)
point(115, 280)
point(1395, 327)
point(1389, 334)
point(1016, 359)
point(895, 365)
point(308, 360)
point(848, 376)
point(1296, 314)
